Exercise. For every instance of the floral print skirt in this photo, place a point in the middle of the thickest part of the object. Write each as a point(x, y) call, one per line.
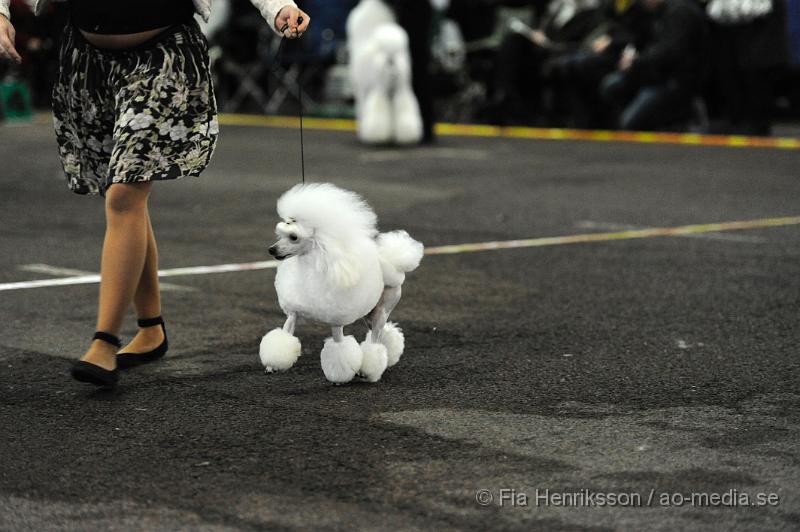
point(140, 114)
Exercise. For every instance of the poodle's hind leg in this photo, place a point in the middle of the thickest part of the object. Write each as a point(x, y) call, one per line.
point(280, 348)
point(381, 331)
point(380, 314)
point(384, 342)
point(341, 357)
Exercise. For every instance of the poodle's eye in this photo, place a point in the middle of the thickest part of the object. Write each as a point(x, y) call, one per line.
point(293, 238)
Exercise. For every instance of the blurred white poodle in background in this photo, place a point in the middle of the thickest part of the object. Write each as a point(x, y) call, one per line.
point(336, 268)
point(380, 70)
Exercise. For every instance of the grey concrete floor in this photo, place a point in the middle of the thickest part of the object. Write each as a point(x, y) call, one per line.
point(640, 369)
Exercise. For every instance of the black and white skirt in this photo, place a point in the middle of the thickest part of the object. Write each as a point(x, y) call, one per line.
point(140, 114)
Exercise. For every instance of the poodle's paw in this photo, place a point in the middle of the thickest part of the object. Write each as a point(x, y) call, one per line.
point(279, 350)
point(341, 360)
point(392, 338)
point(374, 362)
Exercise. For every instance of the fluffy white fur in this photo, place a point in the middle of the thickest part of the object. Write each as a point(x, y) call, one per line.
point(335, 268)
point(380, 70)
point(341, 361)
point(375, 360)
point(392, 338)
point(279, 350)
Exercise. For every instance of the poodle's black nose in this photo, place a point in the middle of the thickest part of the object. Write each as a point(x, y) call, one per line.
point(273, 250)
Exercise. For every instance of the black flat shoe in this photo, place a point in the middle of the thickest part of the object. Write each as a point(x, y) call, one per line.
point(129, 360)
point(87, 372)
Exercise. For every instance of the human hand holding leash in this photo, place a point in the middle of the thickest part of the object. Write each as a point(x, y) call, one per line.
point(292, 22)
point(7, 34)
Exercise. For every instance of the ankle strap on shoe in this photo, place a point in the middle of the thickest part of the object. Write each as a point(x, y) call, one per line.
point(150, 322)
point(108, 338)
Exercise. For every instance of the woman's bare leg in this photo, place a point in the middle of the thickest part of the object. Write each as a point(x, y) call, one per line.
point(147, 299)
point(124, 255)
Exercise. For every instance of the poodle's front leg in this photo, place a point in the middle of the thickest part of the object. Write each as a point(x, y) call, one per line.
point(340, 357)
point(280, 348)
point(291, 321)
point(388, 334)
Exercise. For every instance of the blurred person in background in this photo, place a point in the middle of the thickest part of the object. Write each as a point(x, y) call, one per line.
point(559, 27)
point(653, 87)
point(577, 76)
point(750, 51)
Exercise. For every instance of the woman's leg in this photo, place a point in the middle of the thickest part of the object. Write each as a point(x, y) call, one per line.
point(147, 299)
point(124, 255)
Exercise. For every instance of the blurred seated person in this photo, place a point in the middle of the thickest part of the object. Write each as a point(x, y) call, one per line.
point(751, 51)
point(559, 28)
point(653, 88)
point(576, 76)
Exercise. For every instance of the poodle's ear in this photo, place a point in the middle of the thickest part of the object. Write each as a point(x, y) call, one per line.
point(343, 269)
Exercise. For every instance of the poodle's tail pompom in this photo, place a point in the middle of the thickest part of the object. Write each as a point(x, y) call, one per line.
point(341, 360)
point(399, 254)
point(392, 338)
point(375, 361)
point(279, 350)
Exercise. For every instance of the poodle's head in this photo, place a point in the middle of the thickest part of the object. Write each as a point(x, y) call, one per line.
point(326, 220)
point(293, 239)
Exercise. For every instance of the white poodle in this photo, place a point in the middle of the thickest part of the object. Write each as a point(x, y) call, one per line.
point(337, 268)
point(380, 70)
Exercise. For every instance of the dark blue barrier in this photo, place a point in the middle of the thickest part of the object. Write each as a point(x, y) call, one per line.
point(794, 30)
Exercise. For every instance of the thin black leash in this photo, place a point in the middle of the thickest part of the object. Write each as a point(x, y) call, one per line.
point(278, 57)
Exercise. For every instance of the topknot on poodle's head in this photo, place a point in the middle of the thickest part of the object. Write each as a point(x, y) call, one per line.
point(334, 226)
point(329, 210)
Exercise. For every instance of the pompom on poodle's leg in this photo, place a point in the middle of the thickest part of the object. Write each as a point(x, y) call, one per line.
point(387, 334)
point(279, 348)
point(375, 360)
point(341, 357)
point(392, 338)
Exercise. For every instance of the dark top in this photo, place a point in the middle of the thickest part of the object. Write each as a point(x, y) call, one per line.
point(678, 45)
point(119, 17)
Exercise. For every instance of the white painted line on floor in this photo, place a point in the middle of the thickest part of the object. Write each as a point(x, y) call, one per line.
point(609, 226)
point(380, 156)
point(458, 248)
point(221, 268)
point(70, 272)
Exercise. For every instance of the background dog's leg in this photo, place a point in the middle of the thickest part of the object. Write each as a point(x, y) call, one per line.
point(407, 118)
point(376, 124)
